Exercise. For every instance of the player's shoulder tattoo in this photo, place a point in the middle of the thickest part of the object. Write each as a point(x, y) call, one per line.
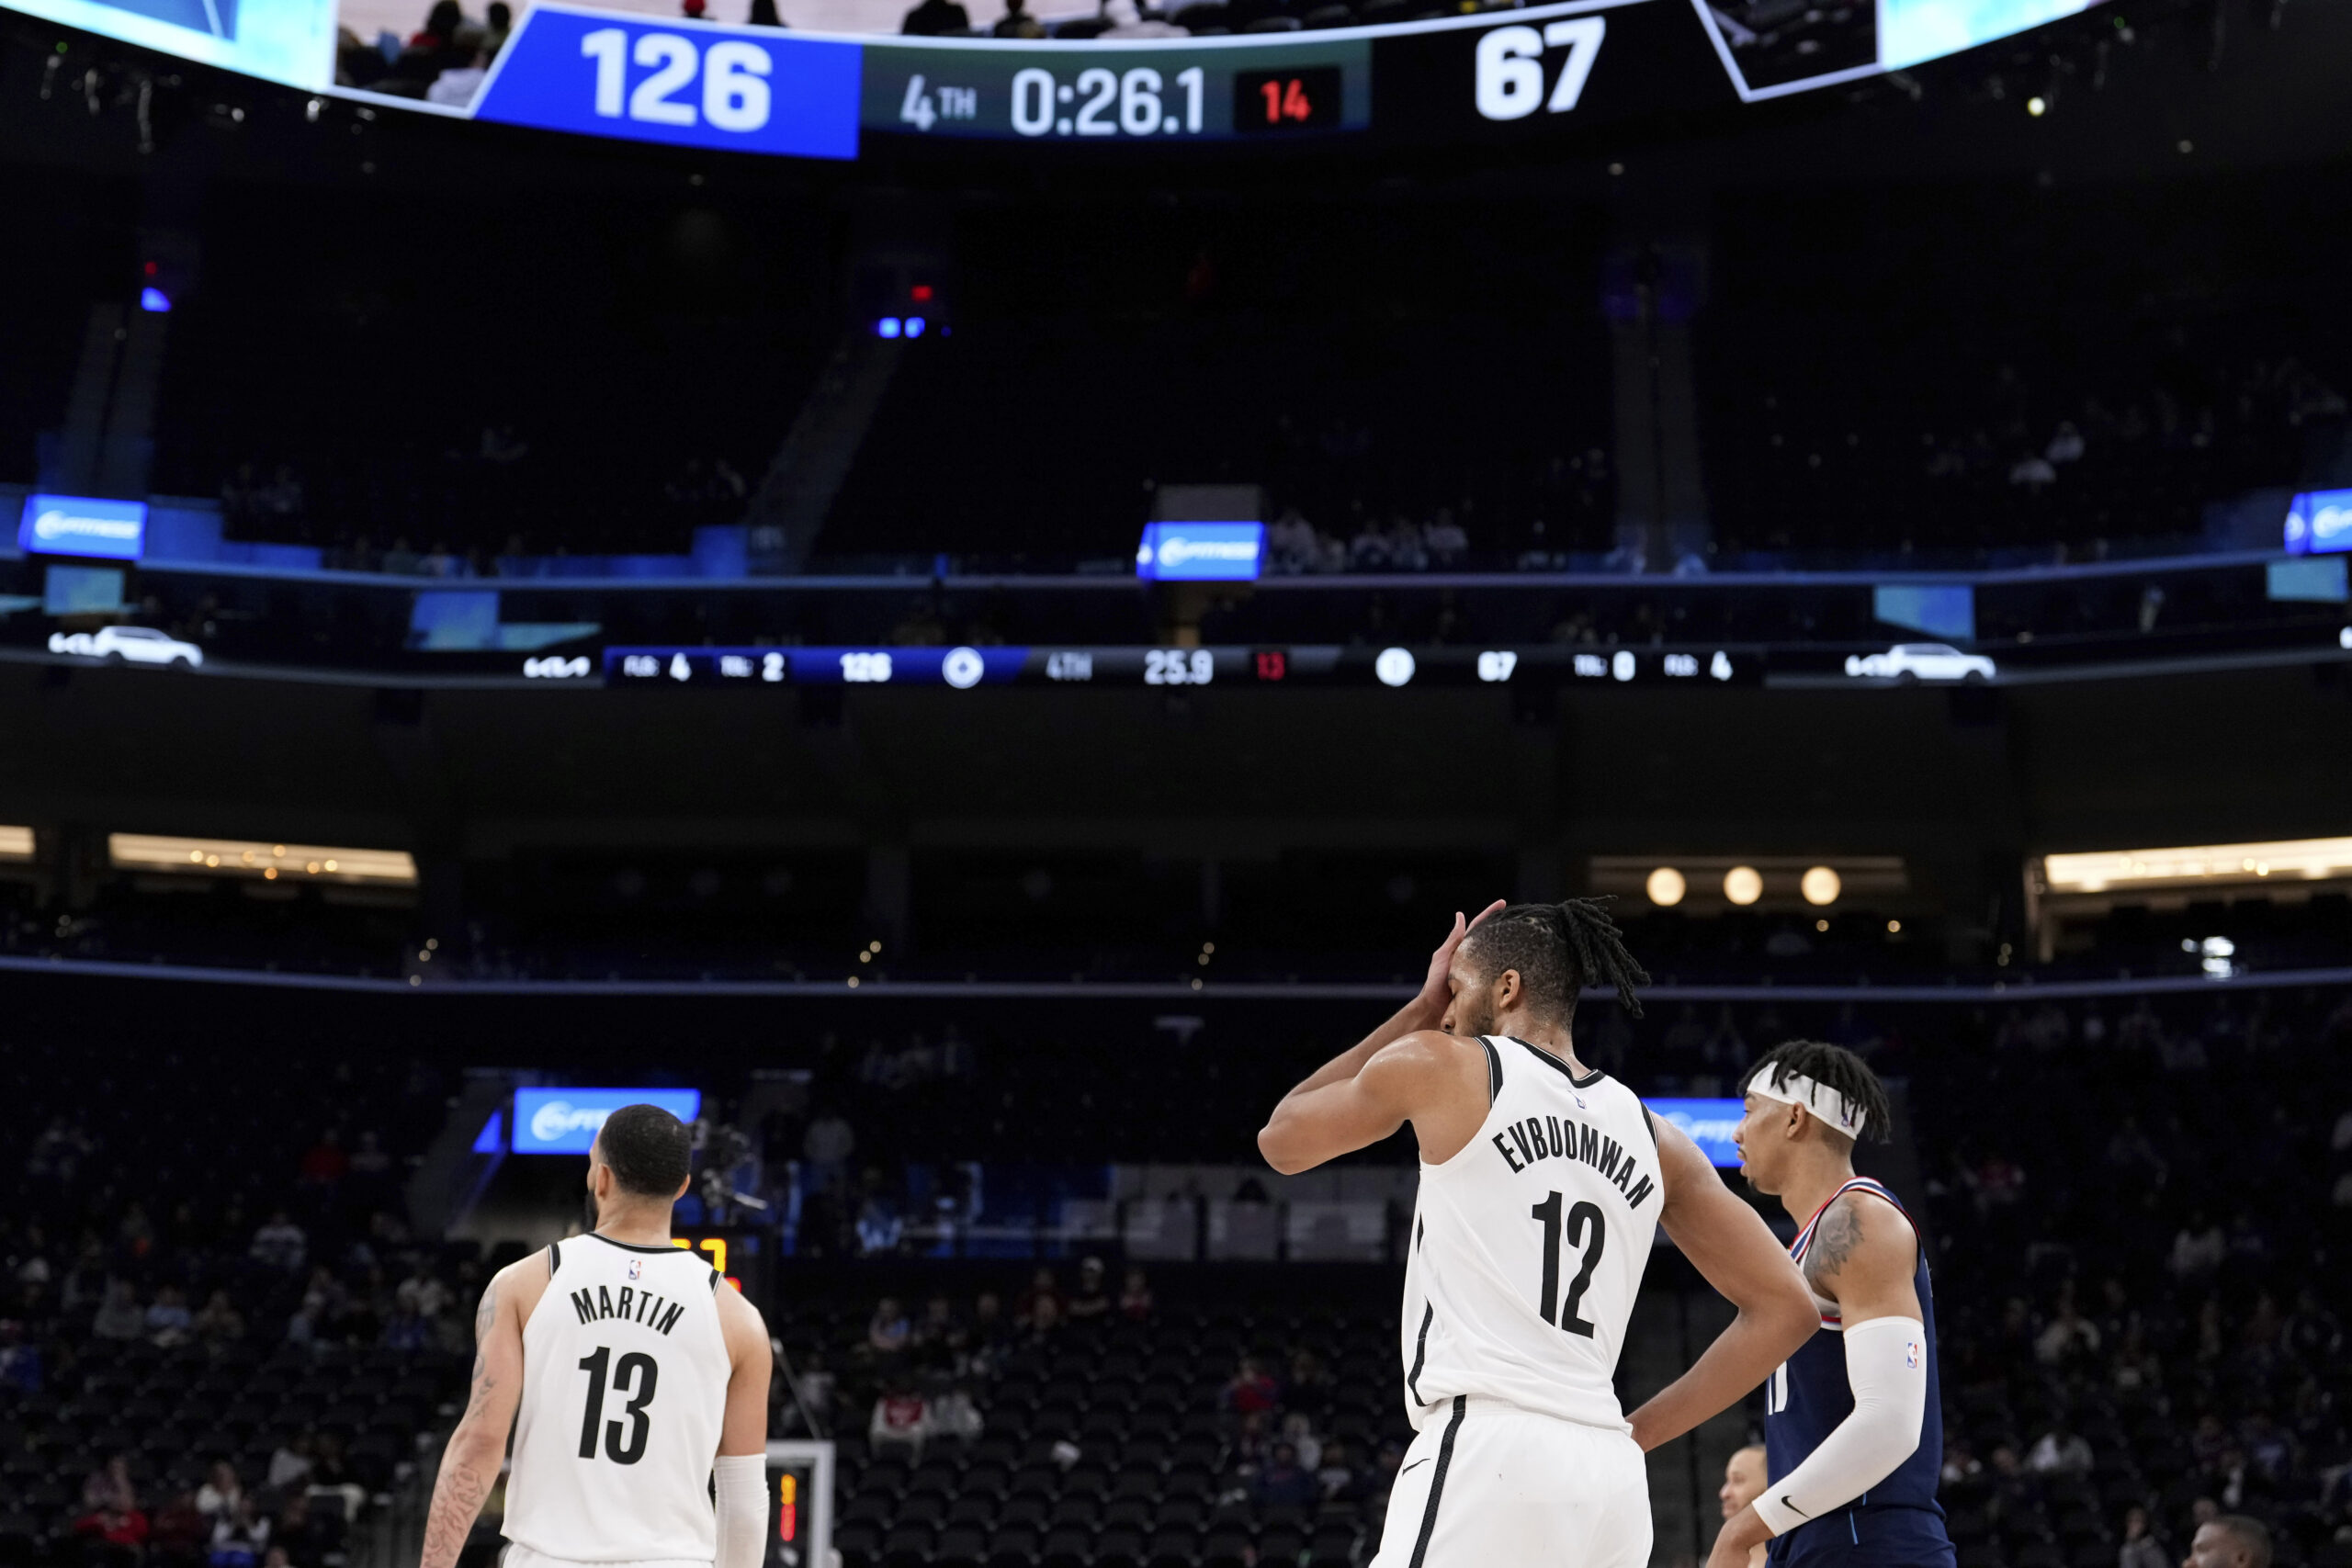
point(1836, 1239)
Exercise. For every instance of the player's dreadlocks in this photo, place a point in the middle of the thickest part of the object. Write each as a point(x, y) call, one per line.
point(1558, 949)
point(1834, 1067)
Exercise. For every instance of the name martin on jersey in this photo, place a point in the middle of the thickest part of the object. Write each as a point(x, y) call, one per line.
point(635, 1307)
point(1541, 1138)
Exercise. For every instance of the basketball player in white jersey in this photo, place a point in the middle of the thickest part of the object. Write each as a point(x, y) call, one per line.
point(632, 1373)
point(1541, 1183)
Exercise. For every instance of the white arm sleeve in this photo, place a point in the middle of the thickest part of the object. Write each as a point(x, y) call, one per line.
point(1886, 1366)
point(741, 1484)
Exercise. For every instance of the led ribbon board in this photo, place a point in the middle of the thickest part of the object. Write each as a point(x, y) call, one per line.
point(566, 1121)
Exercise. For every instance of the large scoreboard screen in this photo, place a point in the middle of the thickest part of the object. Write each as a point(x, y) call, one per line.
point(1490, 75)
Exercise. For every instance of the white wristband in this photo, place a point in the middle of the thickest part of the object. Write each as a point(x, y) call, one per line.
point(740, 1484)
point(1886, 1366)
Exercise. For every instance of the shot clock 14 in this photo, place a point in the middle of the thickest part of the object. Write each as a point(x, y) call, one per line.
point(1305, 97)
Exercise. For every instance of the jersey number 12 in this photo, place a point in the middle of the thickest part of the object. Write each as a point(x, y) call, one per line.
point(635, 1375)
point(1583, 1220)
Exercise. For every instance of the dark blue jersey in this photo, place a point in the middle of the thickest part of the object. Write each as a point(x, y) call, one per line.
point(1897, 1523)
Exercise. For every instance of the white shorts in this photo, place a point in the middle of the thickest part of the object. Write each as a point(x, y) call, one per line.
point(1485, 1484)
point(521, 1556)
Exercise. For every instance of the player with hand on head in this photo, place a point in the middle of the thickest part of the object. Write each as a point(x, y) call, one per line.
point(1853, 1422)
point(635, 1380)
point(1542, 1184)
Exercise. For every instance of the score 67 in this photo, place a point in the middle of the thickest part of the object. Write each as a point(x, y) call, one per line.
point(1510, 68)
point(734, 79)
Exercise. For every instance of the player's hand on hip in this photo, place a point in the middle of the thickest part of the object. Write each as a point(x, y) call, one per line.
point(1434, 991)
point(1741, 1534)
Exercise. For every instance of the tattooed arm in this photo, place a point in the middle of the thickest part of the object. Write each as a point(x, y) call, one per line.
point(476, 1448)
point(1863, 1256)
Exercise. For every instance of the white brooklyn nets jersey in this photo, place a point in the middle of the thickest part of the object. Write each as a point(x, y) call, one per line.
point(1528, 1246)
point(625, 1374)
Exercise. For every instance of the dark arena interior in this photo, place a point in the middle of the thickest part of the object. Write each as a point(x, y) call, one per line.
point(959, 596)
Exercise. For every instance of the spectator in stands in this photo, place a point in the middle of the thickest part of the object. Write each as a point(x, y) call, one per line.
point(1282, 1481)
point(219, 1325)
point(168, 1321)
point(1126, 20)
point(1017, 22)
point(302, 1532)
point(901, 1421)
point(954, 1416)
point(498, 23)
point(2140, 1549)
point(941, 1335)
point(1043, 1287)
point(221, 1492)
point(1310, 1385)
point(2197, 1248)
point(57, 1153)
point(181, 1533)
point(1135, 1297)
point(404, 1330)
point(439, 33)
point(454, 88)
point(937, 19)
point(990, 1332)
point(887, 1333)
point(117, 1534)
point(1446, 540)
point(330, 1473)
point(1091, 1302)
point(110, 1487)
point(2061, 1450)
point(1335, 1478)
point(20, 1363)
point(118, 1316)
point(282, 1243)
point(2231, 1540)
point(2069, 1337)
point(879, 1228)
point(240, 1536)
point(423, 1292)
point(1744, 1477)
point(292, 1462)
point(1251, 1390)
point(1045, 1320)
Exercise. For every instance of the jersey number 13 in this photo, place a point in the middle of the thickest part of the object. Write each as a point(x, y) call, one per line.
point(634, 1375)
point(1584, 1229)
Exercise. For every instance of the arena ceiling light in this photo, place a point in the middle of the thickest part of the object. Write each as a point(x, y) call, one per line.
point(1711, 884)
point(15, 843)
point(2200, 865)
point(269, 861)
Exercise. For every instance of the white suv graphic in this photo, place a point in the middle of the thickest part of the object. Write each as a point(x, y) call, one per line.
point(129, 645)
point(1920, 661)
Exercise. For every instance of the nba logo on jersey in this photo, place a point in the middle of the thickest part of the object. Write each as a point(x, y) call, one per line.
point(1911, 1355)
point(637, 1267)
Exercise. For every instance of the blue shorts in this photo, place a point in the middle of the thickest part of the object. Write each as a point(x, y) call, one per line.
point(1867, 1538)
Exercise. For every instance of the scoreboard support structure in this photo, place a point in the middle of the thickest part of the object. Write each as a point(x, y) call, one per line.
point(800, 1504)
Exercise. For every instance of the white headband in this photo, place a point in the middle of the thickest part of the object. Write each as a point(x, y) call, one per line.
point(1824, 1102)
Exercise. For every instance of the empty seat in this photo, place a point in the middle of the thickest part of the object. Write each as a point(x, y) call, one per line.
point(1171, 1549)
